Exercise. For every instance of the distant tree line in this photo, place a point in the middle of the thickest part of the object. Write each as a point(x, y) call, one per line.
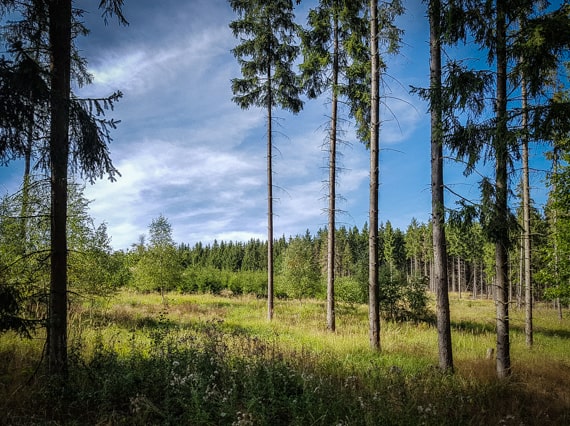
point(157, 263)
point(405, 259)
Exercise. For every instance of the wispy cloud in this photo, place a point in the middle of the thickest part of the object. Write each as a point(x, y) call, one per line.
point(186, 151)
point(183, 181)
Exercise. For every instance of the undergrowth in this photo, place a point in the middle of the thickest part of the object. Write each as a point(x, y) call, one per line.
point(190, 368)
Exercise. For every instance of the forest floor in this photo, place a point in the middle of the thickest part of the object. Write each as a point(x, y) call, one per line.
point(216, 360)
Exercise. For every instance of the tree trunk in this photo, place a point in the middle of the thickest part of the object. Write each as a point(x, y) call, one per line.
point(501, 183)
point(474, 280)
point(526, 224)
point(24, 210)
point(437, 195)
point(521, 270)
point(373, 290)
point(453, 277)
point(269, 200)
point(459, 275)
point(60, 54)
point(332, 186)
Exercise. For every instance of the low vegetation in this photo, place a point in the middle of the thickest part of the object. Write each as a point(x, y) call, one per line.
point(215, 360)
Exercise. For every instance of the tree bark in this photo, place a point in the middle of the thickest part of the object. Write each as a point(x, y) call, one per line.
point(557, 303)
point(526, 224)
point(437, 194)
point(501, 187)
point(331, 322)
point(459, 275)
point(60, 54)
point(269, 200)
point(373, 290)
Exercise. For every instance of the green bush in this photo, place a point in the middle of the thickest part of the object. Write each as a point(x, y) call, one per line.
point(202, 280)
point(254, 282)
point(403, 298)
point(350, 290)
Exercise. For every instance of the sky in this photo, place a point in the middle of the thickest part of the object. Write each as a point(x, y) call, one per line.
point(186, 151)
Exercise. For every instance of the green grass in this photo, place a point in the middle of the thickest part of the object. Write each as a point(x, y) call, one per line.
point(215, 360)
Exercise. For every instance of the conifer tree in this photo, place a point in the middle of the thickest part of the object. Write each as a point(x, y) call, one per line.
point(266, 54)
point(54, 22)
point(491, 24)
point(336, 30)
point(382, 30)
point(437, 190)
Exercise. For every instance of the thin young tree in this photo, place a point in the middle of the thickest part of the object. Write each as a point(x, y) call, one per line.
point(334, 27)
point(527, 272)
point(266, 54)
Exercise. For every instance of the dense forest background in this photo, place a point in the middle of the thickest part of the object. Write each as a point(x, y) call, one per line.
point(157, 263)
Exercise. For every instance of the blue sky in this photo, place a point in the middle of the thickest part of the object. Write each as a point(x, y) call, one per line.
point(186, 151)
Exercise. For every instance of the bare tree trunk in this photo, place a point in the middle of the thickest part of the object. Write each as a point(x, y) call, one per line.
point(60, 72)
point(501, 183)
point(269, 200)
point(459, 275)
point(26, 186)
point(557, 303)
point(437, 194)
point(453, 277)
point(521, 271)
point(331, 325)
point(373, 290)
point(526, 224)
point(474, 280)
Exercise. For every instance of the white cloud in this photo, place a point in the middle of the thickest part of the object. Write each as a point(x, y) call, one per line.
point(186, 151)
point(140, 68)
point(182, 181)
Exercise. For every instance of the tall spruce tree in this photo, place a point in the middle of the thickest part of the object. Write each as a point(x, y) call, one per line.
point(54, 22)
point(266, 54)
point(542, 38)
point(382, 31)
point(437, 190)
point(60, 86)
point(555, 274)
point(363, 90)
point(93, 160)
point(336, 29)
point(492, 26)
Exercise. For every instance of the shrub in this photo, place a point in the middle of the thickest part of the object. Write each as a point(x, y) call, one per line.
point(402, 298)
point(350, 290)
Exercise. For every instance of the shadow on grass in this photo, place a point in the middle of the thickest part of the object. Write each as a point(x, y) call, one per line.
point(479, 328)
point(563, 334)
point(473, 327)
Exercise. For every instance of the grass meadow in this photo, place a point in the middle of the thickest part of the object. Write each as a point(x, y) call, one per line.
point(216, 360)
